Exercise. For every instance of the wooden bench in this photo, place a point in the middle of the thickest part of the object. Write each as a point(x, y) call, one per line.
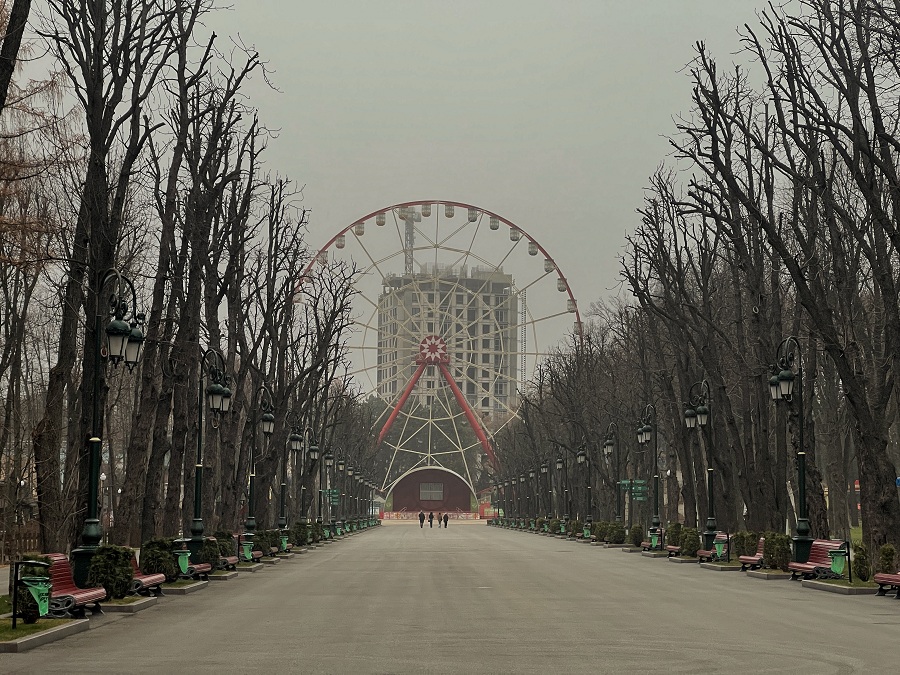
point(712, 554)
point(198, 571)
point(66, 599)
point(673, 551)
point(145, 584)
point(887, 582)
point(228, 562)
point(256, 555)
point(755, 561)
point(273, 551)
point(819, 564)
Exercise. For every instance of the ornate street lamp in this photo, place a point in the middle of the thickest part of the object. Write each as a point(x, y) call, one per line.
point(545, 483)
point(218, 400)
point(118, 334)
point(611, 447)
point(696, 415)
point(584, 460)
point(644, 434)
point(263, 415)
point(784, 385)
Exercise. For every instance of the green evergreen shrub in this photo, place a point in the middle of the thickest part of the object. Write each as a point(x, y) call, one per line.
point(157, 558)
point(886, 563)
point(616, 533)
point(318, 532)
point(575, 527)
point(208, 552)
point(636, 535)
point(297, 534)
point(769, 550)
point(744, 543)
point(539, 524)
point(673, 534)
point(601, 529)
point(781, 551)
point(28, 607)
point(111, 568)
point(862, 568)
point(225, 542)
point(690, 542)
point(554, 525)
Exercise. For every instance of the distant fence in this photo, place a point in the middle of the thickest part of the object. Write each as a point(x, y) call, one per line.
point(18, 540)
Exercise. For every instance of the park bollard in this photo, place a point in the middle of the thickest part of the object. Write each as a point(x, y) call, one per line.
point(39, 587)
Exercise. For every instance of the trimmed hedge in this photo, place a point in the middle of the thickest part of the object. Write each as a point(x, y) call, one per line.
point(745, 542)
point(781, 551)
point(673, 534)
point(616, 533)
point(225, 542)
point(157, 558)
point(636, 535)
point(861, 565)
point(111, 568)
point(690, 542)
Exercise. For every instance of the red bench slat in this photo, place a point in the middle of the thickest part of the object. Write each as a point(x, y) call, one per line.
point(64, 586)
point(818, 558)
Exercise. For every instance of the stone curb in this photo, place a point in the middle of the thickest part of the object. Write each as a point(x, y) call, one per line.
point(184, 590)
point(834, 588)
point(131, 607)
point(45, 637)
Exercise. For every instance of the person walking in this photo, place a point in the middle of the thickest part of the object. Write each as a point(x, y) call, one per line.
point(445, 521)
point(431, 519)
point(421, 519)
point(440, 515)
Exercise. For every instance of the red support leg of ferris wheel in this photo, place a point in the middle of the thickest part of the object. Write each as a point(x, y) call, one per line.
point(433, 351)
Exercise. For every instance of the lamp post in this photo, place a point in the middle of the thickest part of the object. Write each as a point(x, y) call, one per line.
point(218, 398)
point(562, 465)
point(294, 445)
point(610, 447)
point(545, 478)
point(648, 430)
point(340, 484)
point(584, 460)
point(264, 417)
point(535, 494)
point(329, 463)
point(124, 341)
point(350, 487)
point(505, 500)
point(696, 414)
point(782, 387)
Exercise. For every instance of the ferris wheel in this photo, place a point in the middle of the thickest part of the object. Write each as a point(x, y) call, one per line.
point(455, 307)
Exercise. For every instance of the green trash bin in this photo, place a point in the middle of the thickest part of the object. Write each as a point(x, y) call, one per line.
point(654, 540)
point(39, 587)
point(284, 542)
point(838, 561)
point(184, 560)
point(247, 551)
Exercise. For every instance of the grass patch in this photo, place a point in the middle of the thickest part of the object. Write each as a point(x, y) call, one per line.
point(5, 604)
point(179, 583)
point(24, 630)
point(127, 600)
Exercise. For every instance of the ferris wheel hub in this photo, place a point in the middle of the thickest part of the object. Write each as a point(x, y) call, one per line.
point(433, 349)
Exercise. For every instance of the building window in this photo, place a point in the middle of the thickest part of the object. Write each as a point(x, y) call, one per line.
point(431, 492)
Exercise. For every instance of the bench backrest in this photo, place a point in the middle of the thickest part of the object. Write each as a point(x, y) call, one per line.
point(60, 572)
point(760, 546)
point(818, 554)
point(721, 536)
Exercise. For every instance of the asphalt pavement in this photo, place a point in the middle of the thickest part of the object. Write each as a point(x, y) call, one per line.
point(477, 599)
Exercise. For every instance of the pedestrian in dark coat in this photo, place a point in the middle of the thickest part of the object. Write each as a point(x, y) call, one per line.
point(431, 519)
point(421, 519)
point(445, 521)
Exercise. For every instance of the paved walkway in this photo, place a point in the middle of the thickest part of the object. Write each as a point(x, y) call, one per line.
point(474, 599)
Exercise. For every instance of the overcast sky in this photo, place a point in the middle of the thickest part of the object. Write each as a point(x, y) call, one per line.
point(552, 114)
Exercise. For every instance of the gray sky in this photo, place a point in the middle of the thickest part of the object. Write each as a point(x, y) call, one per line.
point(551, 114)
